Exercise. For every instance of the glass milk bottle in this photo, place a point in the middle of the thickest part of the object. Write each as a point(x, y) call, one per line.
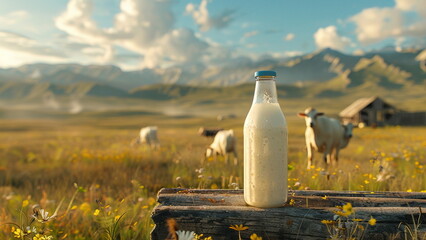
point(265, 146)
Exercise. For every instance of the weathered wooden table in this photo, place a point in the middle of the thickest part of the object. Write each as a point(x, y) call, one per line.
point(212, 212)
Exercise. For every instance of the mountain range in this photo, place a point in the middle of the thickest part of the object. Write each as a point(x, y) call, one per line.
point(324, 73)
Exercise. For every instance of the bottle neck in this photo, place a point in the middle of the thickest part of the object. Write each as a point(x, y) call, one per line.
point(265, 90)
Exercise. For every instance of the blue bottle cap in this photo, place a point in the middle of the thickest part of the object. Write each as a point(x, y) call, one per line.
point(265, 73)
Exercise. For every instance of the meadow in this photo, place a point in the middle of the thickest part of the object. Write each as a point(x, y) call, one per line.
point(83, 168)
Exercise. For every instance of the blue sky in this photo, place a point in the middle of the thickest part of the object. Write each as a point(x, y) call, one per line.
point(136, 34)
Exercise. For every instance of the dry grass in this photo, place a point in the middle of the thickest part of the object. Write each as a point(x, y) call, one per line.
point(42, 159)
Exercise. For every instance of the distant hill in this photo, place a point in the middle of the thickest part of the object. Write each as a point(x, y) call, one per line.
point(30, 90)
point(75, 73)
point(320, 66)
point(327, 77)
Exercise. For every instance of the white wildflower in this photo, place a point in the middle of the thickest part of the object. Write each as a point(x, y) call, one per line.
point(185, 235)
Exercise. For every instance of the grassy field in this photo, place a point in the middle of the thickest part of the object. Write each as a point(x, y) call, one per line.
point(83, 165)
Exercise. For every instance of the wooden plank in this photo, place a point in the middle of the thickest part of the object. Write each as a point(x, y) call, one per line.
point(211, 212)
point(416, 195)
point(224, 199)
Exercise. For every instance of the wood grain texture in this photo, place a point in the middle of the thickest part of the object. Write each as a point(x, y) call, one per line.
point(211, 212)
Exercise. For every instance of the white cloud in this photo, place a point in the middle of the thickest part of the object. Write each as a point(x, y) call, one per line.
point(173, 48)
point(77, 22)
point(377, 24)
point(206, 22)
point(15, 42)
point(142, 26)
point(289, 37)
point(92, 51)
point(285, 55)
point(142, 22)
point(418, 6)
point(13, 17)
point(9, 59)
point(292, 53)
point(329, 38)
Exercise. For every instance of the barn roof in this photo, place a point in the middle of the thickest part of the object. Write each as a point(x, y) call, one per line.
point(421, 56)
point(356, 107)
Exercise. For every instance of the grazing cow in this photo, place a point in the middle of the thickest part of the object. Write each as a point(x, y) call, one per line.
point(223, 117)
point(325, 135)
point(208, 132)
point(224, 143)
point(148, 135)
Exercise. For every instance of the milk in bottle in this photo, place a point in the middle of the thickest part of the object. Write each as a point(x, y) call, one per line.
point(265, 146)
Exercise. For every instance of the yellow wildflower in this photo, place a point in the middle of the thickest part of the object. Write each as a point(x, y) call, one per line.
point(42, 237)
point(85, 207)
point(255, 237)
point(238, 227)
point(25, 203)
point(342, 214)
point(198, 236)
point(348, 208)
point(372, 221)
point(327, 222)
point(325, 197)
point(18, 233)
point(152, 201)
point(291, 202)
point(96, 213)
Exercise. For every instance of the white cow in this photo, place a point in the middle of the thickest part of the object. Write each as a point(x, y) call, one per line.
point(148, 135)
point(224, 143)
point(325, 135)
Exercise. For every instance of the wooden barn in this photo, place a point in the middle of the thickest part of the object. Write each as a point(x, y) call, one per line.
point(421, 58)
point(374, 111)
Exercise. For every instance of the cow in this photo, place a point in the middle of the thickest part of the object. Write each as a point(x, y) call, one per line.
point(208, 132)
point(223, 144)
point(224, 117)
point(148, 135)
point(325, 135)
